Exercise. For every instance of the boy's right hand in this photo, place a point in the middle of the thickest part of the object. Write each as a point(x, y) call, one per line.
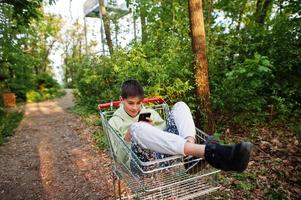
point(150, 121)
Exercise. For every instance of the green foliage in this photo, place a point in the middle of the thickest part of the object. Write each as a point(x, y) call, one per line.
point(101, 139)
point(20, 87)
point(46, 88)
point(82, 110)
point(8, 122)
point(25, 10)
point(45, 81)
point(163, 64)
point(242, 91)
point(102, 81)
point(46, 94)
point(253, 61)
point(91, 119)
point(245, 181)
point(275, 195)
point(33, 96)
point(24, 51)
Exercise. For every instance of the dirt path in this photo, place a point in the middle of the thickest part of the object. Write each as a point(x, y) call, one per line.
point(51, 156)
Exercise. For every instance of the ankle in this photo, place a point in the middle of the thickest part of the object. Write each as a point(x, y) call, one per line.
point(190, 139)
point(192, 149)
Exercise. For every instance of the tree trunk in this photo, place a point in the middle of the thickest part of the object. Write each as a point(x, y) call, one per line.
point(102, 38)
point(201, 63)
point(135, 29)
point(36, 69)
point(116, 34)
point(262, 9)
point(86, 40)
point(43, 65)
point(241, 12)
point(143, 23)
point(106, 23)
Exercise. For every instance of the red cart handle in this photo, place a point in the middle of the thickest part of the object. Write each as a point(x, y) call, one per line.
point(117, 103)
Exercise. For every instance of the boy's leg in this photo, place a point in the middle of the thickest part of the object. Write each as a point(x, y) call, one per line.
point(150, 137)
point(225, 157)
point(179, 118)
point(184, 121)
point(148, 155)
point(143, 155)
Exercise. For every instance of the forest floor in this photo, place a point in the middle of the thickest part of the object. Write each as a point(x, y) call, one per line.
point(274, 171)
point(52, 155)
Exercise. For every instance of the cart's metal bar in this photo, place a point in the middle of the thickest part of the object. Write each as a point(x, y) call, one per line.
point(183, 181)
point(159, 180)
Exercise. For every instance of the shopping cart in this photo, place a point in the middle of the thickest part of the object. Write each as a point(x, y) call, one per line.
point(164, 178)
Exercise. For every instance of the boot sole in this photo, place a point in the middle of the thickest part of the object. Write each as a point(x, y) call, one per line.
point(245, 153)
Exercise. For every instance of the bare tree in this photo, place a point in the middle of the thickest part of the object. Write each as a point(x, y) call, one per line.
point(201, 63)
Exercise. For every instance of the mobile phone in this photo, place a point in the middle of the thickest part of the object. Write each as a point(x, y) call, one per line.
point(143, 116)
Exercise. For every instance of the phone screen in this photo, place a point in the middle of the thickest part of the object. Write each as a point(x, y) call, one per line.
point(143, 116)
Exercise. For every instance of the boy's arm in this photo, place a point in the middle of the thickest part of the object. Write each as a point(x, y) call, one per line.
point(116, 124)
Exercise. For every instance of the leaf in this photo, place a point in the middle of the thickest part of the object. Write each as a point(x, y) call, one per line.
point(263, 68)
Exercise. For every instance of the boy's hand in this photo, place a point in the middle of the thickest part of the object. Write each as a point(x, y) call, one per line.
point(150, 121)
point(128, 136)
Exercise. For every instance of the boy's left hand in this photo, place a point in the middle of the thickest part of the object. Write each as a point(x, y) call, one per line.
point(128, 136)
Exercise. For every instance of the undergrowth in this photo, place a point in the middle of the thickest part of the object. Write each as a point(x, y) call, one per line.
point(91, 118)
point(9, 120)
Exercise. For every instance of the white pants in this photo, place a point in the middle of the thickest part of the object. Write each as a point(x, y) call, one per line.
point(152, 138)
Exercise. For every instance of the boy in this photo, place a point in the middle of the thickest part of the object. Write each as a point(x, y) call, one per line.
point(179, 137)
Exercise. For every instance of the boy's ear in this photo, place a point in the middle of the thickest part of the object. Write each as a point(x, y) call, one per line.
point(120, 98)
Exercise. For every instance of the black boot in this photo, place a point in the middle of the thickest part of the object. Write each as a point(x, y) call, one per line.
point(233, 157)
point(192, 164)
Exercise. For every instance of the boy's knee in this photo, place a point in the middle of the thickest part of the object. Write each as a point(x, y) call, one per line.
point(138, 127)
point(139, 131)
point(135, 127)
point(181, 105)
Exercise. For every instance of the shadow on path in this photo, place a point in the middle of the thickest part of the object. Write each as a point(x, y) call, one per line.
point(48, 157)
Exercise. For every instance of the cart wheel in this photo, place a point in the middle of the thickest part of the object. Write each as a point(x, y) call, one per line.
point(115, 177)
point(119, 189)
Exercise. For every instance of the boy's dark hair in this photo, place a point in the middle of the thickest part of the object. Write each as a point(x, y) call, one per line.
point(131, 88)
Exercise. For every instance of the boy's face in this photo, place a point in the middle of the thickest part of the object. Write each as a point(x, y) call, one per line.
point(132, 105)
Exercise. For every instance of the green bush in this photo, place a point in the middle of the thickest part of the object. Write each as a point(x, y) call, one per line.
point(8, 122)
point(34, 96)
point(45, 88)
point(34, 88)
point(20, 87)
point(45, 80)
point(159, 77)
point(242, 91)
point(101, 139)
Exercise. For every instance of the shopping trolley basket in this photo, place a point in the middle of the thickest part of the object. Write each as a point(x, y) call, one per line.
point(164, 178)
